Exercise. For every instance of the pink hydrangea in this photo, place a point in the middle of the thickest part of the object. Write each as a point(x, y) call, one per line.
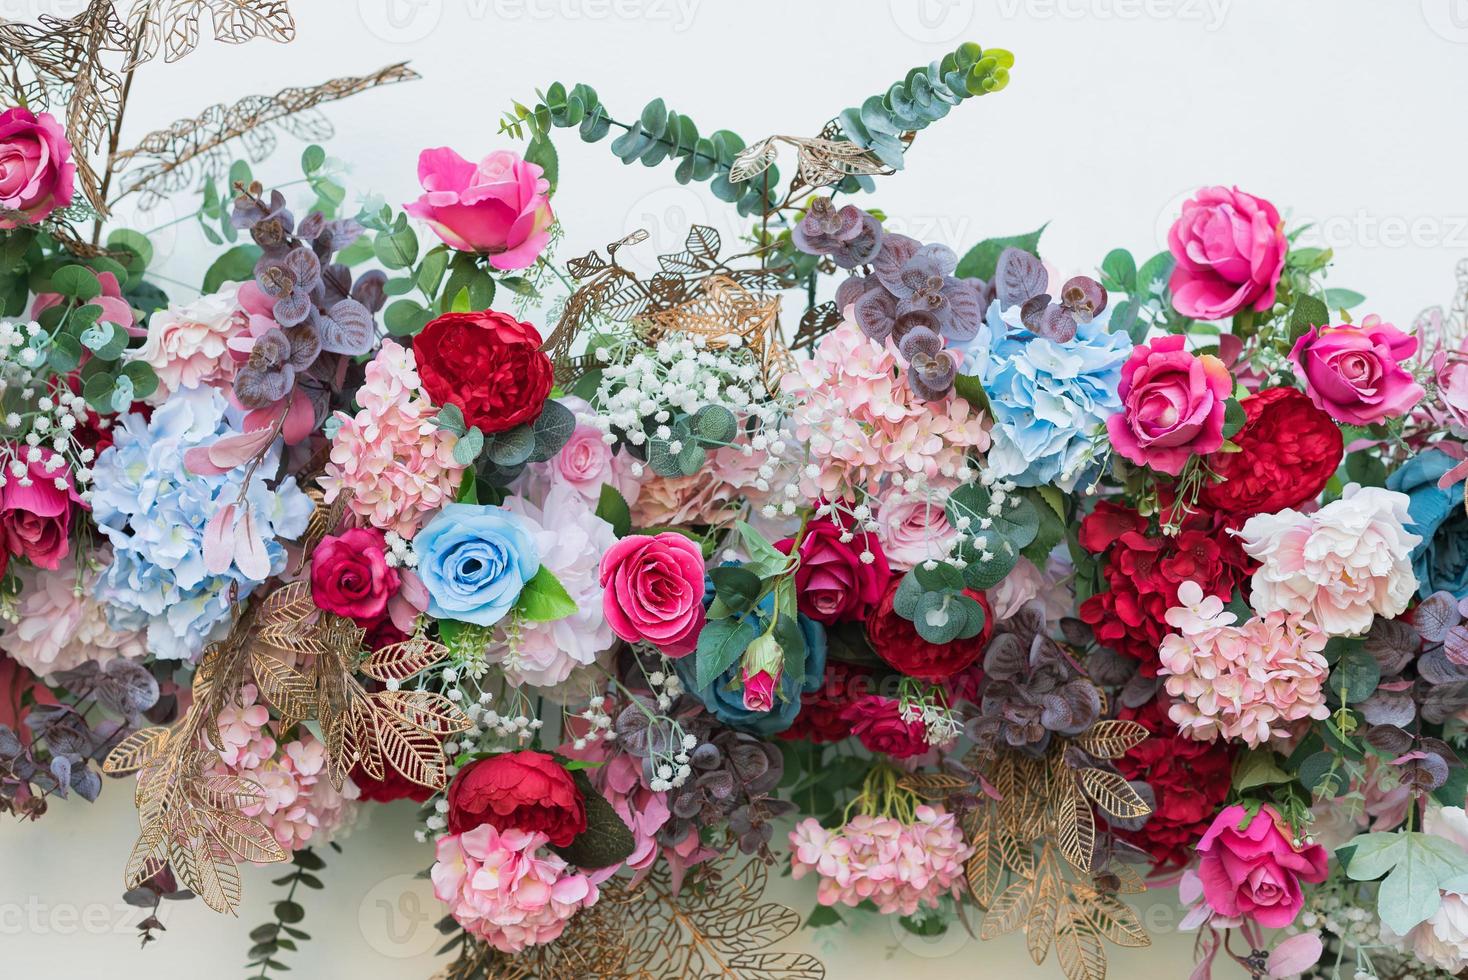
point(1251, 682)
point(502, 888)
point(898, 866)
point(395, 462)
point(645, 812)
point(863, 424)
point(1339, 567)
point(60, 625)
point(298, 802)
point(187, 345)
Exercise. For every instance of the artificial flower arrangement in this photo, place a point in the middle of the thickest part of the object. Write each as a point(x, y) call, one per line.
point(987, 596)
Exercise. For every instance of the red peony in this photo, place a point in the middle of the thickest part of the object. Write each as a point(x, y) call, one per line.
point(877, 722)
point(1190, 780)
point(525, 790)
point(1143, 570)
point(896, 640)
point(1289, 449)
point(488, 364)
point(822, 711)
point(833, 584)
point(350, 575)
point(393, 786)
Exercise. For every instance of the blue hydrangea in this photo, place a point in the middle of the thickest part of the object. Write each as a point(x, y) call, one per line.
point(1440, 561)
point(153, 511)
point(1048, 398)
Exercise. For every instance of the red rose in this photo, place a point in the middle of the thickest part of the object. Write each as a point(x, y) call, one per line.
point(488, 364)
point(897, 641)
point(1289, 450)
point(350, 575)
point(1190, 781)
point(525, 790)
point(877, 722)
point(822, 711)
point(833, 584)
point(35, 520)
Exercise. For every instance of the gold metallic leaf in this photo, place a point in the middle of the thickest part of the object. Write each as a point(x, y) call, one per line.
point(1113, 794)
point(400, 661)
point(1078, 946)
point(135, 751)
point(1113, 738)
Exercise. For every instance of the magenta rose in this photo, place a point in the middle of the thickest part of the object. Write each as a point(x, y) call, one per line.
point(37, 174)
point(35, 519)
point(654, 591)
point(1354, 373)
point(1230, 248)
point(878, 724)
point(1173, 404)
point(499, 206)
point(350, 575)
point(833, 584)
point(1254, 871)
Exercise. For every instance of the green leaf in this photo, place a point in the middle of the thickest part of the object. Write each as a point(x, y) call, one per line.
point(714, 426)
point(1119, 271)
point(403, 317)
point(1323, 775)
point(544, 599)
point(942, 577)
point(65, 353)
point(1259, 767)
point(76, 282)
point(312, 158)
point(612, 508)
point(431, 270)
point(511, 448)
point(126, 239)
point(1356, 675)
point(1308, 313)
point(396, 249)
point(980, 261)
point(1233, 418)
point(542, 153)
point(468, 492)
point(1343, 299)
point(606, 840)
point(765, 559)
point(468, 448)
point(823, 915)
point(722, 642)
point(450, 418)
point(736, 586)
point(971, 390)
point(1153, 275)
point(234, 265)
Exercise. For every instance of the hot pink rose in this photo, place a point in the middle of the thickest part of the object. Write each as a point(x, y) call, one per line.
point(350, 575)
point(1354, 373)
point(37, 174)
point(499, 206)
point(35, 520)
point(1172, 405)
point(833, 584)
point(1230, 248)
point(1255, 872)
point(654, 591)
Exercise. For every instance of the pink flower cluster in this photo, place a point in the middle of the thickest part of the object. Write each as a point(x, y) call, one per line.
point(503, 889)
point(391, 457)
point(187, 344)
point(645, 812)
point(1249, 682)
point(864, 426)
point(897, 866)
point(298, 801)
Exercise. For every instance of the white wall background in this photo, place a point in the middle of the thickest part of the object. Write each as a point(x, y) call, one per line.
point(1343, 112)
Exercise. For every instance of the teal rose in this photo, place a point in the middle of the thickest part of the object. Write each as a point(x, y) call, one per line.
point(474, 560)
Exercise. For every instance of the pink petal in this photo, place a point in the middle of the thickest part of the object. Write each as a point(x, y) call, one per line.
point(218, 534)
point(250, 554)
point(1295, 955)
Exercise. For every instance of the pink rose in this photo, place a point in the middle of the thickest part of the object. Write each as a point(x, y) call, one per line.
point(913, 528)
point(1255, 872)
point(499, 206)
point(1354, 373)
point(350, 575)
point(35, 520)
point(654, 591)
point(37, 174)
point(1230, 248)
point(1172, 405)
point(585, 464)
point(833, 584)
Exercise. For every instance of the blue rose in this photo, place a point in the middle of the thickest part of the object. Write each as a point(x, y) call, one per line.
point(474, 560)
point(1441, 560)
point(725, 700)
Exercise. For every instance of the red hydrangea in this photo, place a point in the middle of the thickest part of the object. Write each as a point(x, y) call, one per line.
point(1288, 451)
point(1190, 780)
point(1143, 569)
point(525, 790)
point(897, 641)
point(488, 364)
point(822, 711)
